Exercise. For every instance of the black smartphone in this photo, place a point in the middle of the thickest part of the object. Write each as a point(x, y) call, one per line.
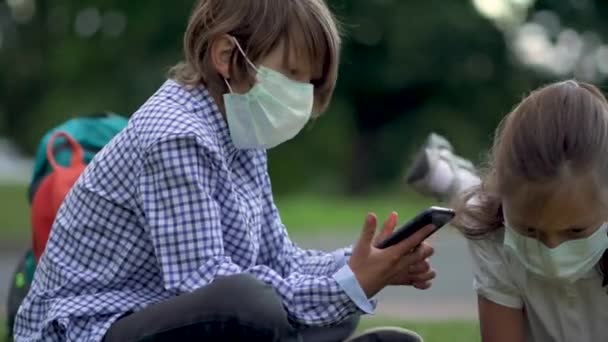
point(436, 216)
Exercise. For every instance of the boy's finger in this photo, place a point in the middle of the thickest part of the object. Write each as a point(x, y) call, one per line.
point(388, 227)
point(407, 245)
point(369, 230)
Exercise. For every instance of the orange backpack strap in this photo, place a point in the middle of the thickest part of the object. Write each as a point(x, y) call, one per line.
point(52, 190)
point(77, 150)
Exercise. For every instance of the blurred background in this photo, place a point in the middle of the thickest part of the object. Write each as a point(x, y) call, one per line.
point(409, 67)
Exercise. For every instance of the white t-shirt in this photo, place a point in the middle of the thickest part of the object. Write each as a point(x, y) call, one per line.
point(559, 312)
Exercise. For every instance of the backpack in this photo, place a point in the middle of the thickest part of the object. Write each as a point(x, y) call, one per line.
point(19, 287)
point(60, 158)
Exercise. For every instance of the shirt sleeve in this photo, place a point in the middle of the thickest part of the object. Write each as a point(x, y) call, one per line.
point(287, 257)
point(349, 283)
point(492, 277)
point(284, 255)
point(185, 228)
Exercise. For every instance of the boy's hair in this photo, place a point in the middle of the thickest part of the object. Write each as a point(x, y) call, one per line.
point(558, 130)
point(259, 26)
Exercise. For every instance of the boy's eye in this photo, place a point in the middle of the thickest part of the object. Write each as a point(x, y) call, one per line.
point(298, 75)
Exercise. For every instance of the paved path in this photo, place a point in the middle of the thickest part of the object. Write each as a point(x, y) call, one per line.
point(450, 297)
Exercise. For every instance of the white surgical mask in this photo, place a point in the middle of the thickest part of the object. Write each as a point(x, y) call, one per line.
point(273, 111)
point(569, 261)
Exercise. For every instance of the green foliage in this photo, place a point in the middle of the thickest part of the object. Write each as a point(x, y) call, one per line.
point(56, 73)
point(408, 68)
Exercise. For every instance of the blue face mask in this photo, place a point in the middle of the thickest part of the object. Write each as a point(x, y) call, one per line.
point(569, 261)
point(273, 111)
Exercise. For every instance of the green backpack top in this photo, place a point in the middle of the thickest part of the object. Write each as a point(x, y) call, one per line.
point(92, 132)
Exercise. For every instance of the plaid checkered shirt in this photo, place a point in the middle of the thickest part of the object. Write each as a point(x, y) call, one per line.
point(165, 208)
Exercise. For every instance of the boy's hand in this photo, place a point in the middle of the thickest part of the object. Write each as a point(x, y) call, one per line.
point(400, 264)
point(420, 274)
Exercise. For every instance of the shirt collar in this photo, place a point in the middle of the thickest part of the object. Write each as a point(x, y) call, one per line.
point(202, 103)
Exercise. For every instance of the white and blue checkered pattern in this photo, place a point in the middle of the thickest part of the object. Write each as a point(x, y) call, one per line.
point(169, 205)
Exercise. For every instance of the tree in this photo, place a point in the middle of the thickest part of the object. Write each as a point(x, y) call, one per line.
point(418, 66)
point(408, 68)
point(75, 58)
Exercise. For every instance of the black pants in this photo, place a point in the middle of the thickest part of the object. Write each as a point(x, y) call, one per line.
point(236, 308)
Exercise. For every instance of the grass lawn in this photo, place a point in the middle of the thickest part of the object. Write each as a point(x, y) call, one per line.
point(454, 331)
point(14, 212)
point(301, 213)
point(313, 213)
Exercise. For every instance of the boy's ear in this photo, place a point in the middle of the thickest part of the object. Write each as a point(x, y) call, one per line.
point(221, 53)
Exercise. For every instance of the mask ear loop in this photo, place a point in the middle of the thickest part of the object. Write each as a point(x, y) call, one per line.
point(228, 85)
point(238, 46)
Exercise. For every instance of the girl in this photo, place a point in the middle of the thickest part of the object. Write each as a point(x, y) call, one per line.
point(171, 233)
point(537, 223)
